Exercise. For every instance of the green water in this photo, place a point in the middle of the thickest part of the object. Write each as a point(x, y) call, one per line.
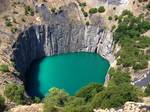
point(67, 71)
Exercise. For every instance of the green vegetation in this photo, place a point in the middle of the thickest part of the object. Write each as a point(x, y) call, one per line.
point(110, 18)
point(53, 10)
point(128, 34)
point(14, 92)
point(4, 68)
point(77, 104)
point(101, 9)
point(94, 95)
point(147, 90)
point(119, 91)
point(89, 91)
point(113, 27)
point(2, 103)
point(82, 5)
point(28, 10)
point(116, 17)
point(8, 22)
point(37, 100)
point(93, 10)
point(148, 6)
point(85, 14)
point(13, 29)
point(55, 98)
point(87, 23)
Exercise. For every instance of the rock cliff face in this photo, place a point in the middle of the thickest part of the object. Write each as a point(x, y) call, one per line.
point(60, 35)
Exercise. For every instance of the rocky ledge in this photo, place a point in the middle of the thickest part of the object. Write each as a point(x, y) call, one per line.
point(128, 107)
point(60, 34)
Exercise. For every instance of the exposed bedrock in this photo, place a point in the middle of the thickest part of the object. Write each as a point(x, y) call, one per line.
point(60, 36)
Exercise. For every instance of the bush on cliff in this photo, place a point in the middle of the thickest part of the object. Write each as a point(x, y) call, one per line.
point(128, 35)
point(77, 104)
point(147, 90)
point(15, 93)
point(2, 103)
point(101, 9)
point(4, 68)
point(55, 98)
point(89, 91)
point(28, 10)
point(119, 91)
point(93, 10)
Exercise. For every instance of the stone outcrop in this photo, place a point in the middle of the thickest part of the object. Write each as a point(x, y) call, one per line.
point(28, 108)
point(128, 107)
point(60, 34)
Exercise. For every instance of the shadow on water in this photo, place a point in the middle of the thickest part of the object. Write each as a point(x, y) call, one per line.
point(32, 82)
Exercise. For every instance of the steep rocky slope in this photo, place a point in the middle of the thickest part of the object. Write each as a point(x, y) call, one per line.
point(61, 34)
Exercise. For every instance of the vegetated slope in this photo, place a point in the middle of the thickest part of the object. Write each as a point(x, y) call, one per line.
point(135, 47)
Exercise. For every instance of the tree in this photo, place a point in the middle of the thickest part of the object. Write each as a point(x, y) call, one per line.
point(115, 96)
point(4, 68)
point(147, 90)
point(148, 6)
point(28, 10)
point(93, 10)
point(101, 9)
point(55, 98)
point(87, 23)
point(82, 5)
point(85, 14)
point(8, 22)
point(53, 10)
point(119, 91)
point(15, 93)
point(110, 18)
point(77, 104)
point(89, 91)
point(2, 103)
point(37, 100)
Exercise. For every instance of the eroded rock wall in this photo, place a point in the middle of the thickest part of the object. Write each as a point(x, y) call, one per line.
point(60, 34)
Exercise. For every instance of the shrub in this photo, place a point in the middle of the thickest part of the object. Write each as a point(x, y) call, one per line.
point(14, 92)
point(77, 104)
point(49, 107)
point(28, 10)
point(89, 91)
point(2, 103)
point(110, 18)
point(55, 98)
point(115, 96)
point(53, 10)
point(14, 30)
point(85, 14)
point(93, 10)
point(116, 17)
point(37, 100)
point(147, 90)
point(23, 20)
point(8, 23)
point(113, 27)
point(119, 91)
point(82, 5)
point(87, 23)
point(148, 6)
point(101, 9)
point(4, 68)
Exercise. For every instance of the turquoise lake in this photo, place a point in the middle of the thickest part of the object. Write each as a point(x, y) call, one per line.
point(69, 71)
